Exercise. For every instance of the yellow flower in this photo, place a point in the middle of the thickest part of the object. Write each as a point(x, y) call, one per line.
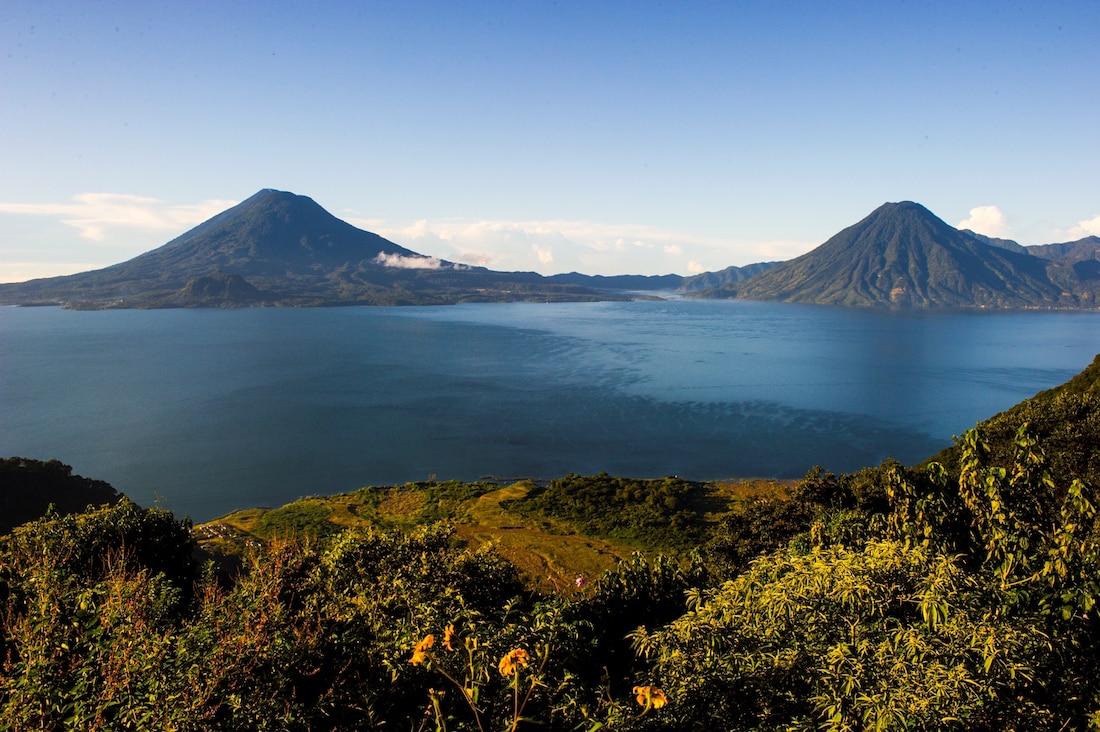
point(650, 697)
point(516, 659)
point(449, 636)
point(420, 650)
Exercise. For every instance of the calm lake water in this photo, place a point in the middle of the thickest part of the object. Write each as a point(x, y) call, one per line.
point(205, 411)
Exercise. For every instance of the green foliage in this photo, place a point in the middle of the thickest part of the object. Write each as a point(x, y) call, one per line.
point(89, 544)
point(640, 591)
point(303, 516)
point(822, 508)
point(407, 505)
point(977, 610)
point(312, 635)
point(88, 600)
point(657, 514)
point(755, 527)
point(886, 637)
point(443, 500)
point(940, 597)
point(1065, 420)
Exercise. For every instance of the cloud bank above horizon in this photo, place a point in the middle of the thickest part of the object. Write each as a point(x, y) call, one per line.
point(557, 246)
point(115, 225)
point(94, 214)
point(991, 221)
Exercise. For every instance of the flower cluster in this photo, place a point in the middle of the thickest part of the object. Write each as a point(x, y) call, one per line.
point(420, 650)
point(650, 697)
point(514, 660)
point(449, 637)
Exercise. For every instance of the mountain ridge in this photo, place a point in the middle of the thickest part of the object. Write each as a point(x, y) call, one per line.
point(280, 248)
point(903, 256)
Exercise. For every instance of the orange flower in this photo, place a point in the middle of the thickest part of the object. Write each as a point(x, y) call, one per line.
point(420, 650)
point(449, 636)
point(516, 659)
point(650, 697)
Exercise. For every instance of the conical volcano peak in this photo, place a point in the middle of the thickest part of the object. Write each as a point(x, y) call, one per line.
point(905, 219)
point(270, 197)
point(904, 206)
point(274, 194)
point(277, 247)
point(901, 209)
point(903, 255)
point(274, 232)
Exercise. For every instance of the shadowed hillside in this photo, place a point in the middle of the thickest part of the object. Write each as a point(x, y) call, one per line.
point(29, 487)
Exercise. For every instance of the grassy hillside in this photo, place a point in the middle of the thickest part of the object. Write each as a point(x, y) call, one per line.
point(551, 540)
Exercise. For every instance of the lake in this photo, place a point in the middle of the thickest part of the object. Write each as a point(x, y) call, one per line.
point(205, 411)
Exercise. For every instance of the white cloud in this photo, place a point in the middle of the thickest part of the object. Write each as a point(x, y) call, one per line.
point(115, 226)
point(97, 216)
point(988, 220)
point(779, 250)
point(545, 254)
point(1089, 227)
point(400, 261)
point(551, 246)
point(1054, 234)
point(23, 271)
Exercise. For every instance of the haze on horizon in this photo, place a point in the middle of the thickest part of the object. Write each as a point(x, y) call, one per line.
point(608, 139)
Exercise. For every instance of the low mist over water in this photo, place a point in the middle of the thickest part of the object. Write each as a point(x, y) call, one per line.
point(205, 411)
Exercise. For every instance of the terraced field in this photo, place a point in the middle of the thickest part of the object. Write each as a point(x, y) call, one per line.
point(549, 552)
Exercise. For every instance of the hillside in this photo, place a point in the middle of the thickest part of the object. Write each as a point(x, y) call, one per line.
point(1065, 420)
point(892, 598)
point(278, 248)
point(903, 256)
point(644, 283)
point(572, 526)
point(1071, 252)
point(28, 488)
point(724, 277)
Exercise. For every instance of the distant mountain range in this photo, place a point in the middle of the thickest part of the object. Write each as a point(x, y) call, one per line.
point(903, 256)
point(278, 248)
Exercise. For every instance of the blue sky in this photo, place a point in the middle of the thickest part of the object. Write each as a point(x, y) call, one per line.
point(602, 137)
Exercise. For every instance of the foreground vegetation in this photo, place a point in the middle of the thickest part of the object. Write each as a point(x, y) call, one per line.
point(952, 595)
